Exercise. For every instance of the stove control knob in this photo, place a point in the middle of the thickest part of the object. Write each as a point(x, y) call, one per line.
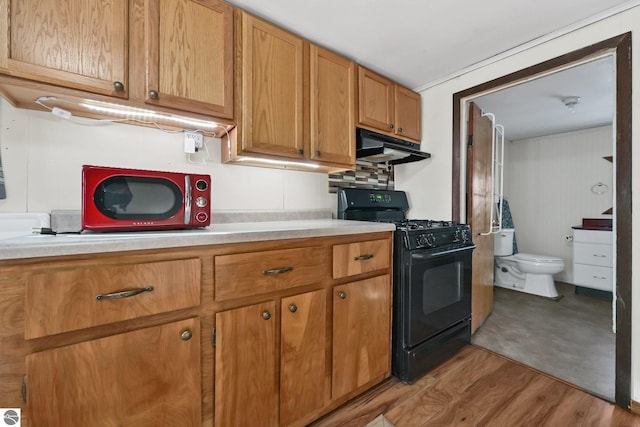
point(457, 237)
point(465, 236)
point(426, 240)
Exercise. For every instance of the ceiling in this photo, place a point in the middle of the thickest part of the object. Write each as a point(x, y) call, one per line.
point(418, 43)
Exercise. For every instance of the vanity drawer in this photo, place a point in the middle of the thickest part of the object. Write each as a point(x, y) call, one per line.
point(72, 299)
point(360, 257)
point(593, 277)
point(593, 254)
point(252, 273)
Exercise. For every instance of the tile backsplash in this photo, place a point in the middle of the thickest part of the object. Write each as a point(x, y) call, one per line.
point(377, 176)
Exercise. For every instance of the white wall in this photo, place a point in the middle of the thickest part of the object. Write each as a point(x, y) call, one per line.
point(42, 156)
point(548, 184)
point(437, 118)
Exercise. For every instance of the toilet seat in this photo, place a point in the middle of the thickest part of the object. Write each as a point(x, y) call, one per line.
point(544, 259)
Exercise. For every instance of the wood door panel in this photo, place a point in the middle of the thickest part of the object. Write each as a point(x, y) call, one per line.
point(66, 300)
point(273, 89)
point(408, 113)
point(80, 44)
point(361, 333)
point(148, 377)
point(332, 107)
point(246, 384)
point(190, 55)
point(375, 100)
point(303, 362)
point(478, 215)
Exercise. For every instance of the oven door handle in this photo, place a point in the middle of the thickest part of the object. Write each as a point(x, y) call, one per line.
point(427, 255)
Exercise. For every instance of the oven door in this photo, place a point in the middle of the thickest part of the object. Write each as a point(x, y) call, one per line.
point(436, 292)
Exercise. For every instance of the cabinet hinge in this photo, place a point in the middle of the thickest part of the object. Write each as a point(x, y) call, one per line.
point(470, 141)
point(24, 388)
point(213, 337)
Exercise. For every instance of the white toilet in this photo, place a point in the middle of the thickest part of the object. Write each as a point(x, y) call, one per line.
point(528, 273)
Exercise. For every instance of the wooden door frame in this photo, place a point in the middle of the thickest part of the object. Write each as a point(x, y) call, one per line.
point(621, 46)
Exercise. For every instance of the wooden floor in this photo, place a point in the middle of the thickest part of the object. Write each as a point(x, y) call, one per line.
point(481, 388)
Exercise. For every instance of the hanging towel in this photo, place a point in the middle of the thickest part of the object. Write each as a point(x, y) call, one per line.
point(507, 222)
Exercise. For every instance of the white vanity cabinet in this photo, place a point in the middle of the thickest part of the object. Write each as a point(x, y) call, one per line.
point(593, 259)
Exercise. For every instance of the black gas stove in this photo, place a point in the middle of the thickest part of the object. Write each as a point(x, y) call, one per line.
point(431, 280)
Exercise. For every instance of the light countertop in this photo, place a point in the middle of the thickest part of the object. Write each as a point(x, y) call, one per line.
point(36, 245)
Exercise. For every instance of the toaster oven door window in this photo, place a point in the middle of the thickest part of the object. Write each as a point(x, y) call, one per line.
point(134, 197)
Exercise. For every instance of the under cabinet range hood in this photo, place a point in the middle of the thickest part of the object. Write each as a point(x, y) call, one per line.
point(379, 148)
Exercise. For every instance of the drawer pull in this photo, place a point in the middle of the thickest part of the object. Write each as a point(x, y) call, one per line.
point(363, 257)
point(599, 256)
point(277, 271)
point(599, 277)
point(124, 294)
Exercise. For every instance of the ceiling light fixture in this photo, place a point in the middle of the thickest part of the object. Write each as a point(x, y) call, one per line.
point(570, 102)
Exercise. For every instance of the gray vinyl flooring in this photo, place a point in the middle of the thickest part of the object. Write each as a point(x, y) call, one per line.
point(570, 339)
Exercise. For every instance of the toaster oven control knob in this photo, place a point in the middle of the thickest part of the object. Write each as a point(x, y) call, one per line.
point(202, 217)
point(201, 184)
point(201, 202)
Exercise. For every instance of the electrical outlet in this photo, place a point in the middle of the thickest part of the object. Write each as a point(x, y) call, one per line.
point(193, 141)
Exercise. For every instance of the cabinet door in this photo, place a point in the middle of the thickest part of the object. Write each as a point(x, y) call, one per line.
point(149, 377)
point(303, 345)
point(189, 64)
point(375, 100)
point(246, 382)
point(361, 333)
point(408, 113)
point(81, 44)
point(272, 82)
point(332, 107)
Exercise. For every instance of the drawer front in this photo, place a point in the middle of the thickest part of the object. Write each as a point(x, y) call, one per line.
point(593, 277)
point(62, 301)
point(241, 275)
point(593, 236)
point(360, 257)
point(593, 254)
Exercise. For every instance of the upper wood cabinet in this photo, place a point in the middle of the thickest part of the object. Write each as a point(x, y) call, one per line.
point(272, 87)
point(170, 56)
point(332, 107)
point(294, 101)
point(388, 107)
point(189, 62)
point(80, 44)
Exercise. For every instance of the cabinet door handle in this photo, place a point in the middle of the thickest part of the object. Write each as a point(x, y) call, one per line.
point(399, 129)
point(300, 151)
point(342, 295)
point(363, 257)
point(317, 153)
point(266, 315)
point(391, 126)
point(124, 294)
point(293, 308)
point(277, 271)
point(186, 335)
point(153, 94)
point(118, 86)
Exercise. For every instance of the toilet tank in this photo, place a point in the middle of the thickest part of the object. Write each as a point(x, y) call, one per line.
point(503, 242)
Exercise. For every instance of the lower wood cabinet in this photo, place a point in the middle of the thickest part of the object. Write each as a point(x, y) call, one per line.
point(247, 358)
point(148, 377)
point(169, 338)
point(361, 331)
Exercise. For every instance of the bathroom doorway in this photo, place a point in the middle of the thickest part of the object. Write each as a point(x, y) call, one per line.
point(619, 48)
